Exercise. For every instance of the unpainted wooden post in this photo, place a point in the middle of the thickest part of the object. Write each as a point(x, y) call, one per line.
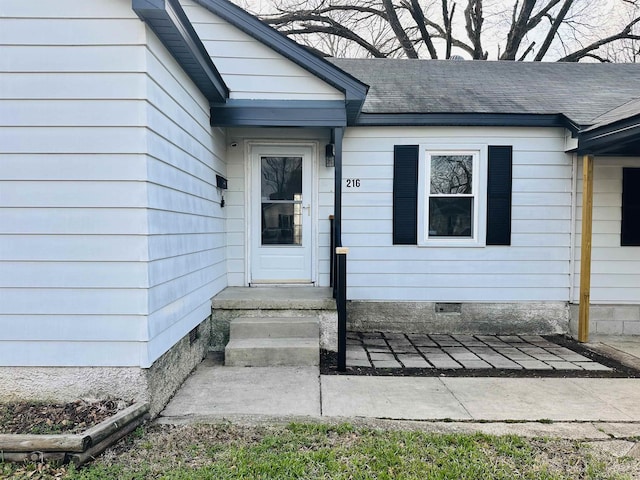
point(585, 248)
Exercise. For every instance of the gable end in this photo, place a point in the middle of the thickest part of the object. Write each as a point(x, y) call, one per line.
point(355, 91)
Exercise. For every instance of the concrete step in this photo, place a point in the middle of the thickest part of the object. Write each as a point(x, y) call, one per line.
point(264, 352)
point(274, 327)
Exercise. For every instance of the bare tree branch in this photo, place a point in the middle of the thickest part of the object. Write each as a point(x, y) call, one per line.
point(448, 29)
point(339, 31)
point(544, 12)
point(418, 15)
point(586, 51)
point(544, 48)
point(518, 29)
point(473, 21)
point(414, 28)
point(400, 33)
point(597, 57)
point(526, 52)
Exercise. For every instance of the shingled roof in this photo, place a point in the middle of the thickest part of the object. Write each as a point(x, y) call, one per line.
point(580, 91)
point(624, 111)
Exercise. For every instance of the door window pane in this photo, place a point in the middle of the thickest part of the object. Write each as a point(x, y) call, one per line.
point(281, 190)
point(281, 224)
point(281, 178)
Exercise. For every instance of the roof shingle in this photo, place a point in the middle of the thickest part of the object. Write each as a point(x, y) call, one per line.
point(580, 91)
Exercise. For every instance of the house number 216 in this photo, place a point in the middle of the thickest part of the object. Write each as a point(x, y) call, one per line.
point(353, 183)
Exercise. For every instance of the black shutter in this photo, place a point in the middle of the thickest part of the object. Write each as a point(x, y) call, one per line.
point(499, 195)
point(405, 195)
point(630, 230)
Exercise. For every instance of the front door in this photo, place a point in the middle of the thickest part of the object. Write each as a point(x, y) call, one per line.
point(281, 214)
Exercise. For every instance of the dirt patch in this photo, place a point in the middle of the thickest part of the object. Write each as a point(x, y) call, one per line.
point(45, 418)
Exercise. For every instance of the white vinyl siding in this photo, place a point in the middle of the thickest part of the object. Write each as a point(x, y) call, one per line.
point(615, 270)
point(187, 244)
point(112, 238)
point(73, 222)
point(534, 268)
point(250, 69)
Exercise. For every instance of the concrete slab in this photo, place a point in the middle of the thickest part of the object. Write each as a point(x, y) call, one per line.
point(358, 362)
point(536, 429)
point(413, 398)
point(625, 350)
point(626, 344)
point(385, 364)
point(214, 392)
point(222, 391)
point(622, 394)
point(273, 297)
point(558, 399)
point(621, 430)
point(567, 430)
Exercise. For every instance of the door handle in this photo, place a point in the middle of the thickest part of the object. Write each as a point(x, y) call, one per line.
point(307, 208)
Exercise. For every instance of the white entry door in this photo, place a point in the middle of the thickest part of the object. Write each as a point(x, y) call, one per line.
point(281, 214)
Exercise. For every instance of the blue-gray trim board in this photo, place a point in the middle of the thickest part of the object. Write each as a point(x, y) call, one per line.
point(169, 22)
point(278, 113)
point(355, 91)
point(465, 120)
point(619, 138)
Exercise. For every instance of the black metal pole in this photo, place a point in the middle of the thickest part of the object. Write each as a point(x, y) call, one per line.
point(336, 138)
point(332, 256)
point(341, 305)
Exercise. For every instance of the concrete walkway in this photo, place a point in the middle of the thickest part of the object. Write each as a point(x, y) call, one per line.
point(580, 407)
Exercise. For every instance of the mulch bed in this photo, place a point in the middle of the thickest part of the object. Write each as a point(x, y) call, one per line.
point(328, 363)
point(45, 418)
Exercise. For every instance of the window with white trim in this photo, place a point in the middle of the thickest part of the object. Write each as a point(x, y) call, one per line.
point(451, 196)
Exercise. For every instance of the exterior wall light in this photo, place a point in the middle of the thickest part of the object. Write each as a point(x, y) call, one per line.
point(330, 155)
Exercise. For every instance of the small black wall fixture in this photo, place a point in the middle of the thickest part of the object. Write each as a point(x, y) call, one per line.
point(330, 155)
point(221, 182)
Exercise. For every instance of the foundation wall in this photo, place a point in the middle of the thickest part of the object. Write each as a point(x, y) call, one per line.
point(460, 318)
point(609, 320)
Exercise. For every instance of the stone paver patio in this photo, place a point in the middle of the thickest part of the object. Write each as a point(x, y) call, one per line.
point(456, 352)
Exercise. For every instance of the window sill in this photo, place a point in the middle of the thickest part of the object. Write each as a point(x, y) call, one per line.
point(451, 242)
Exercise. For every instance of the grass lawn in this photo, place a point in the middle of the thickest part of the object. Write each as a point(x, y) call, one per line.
point(310, 451)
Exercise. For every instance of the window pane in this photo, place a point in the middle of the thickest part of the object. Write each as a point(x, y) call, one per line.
point(281, 178)
point(450, 217)
point(281, 224)
point(451, 174)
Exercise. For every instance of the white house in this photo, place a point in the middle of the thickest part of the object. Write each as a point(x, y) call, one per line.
point(155, 152)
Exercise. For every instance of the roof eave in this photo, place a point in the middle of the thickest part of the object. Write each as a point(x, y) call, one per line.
point(169, 22)
point(622, 137)
point(467, 120)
